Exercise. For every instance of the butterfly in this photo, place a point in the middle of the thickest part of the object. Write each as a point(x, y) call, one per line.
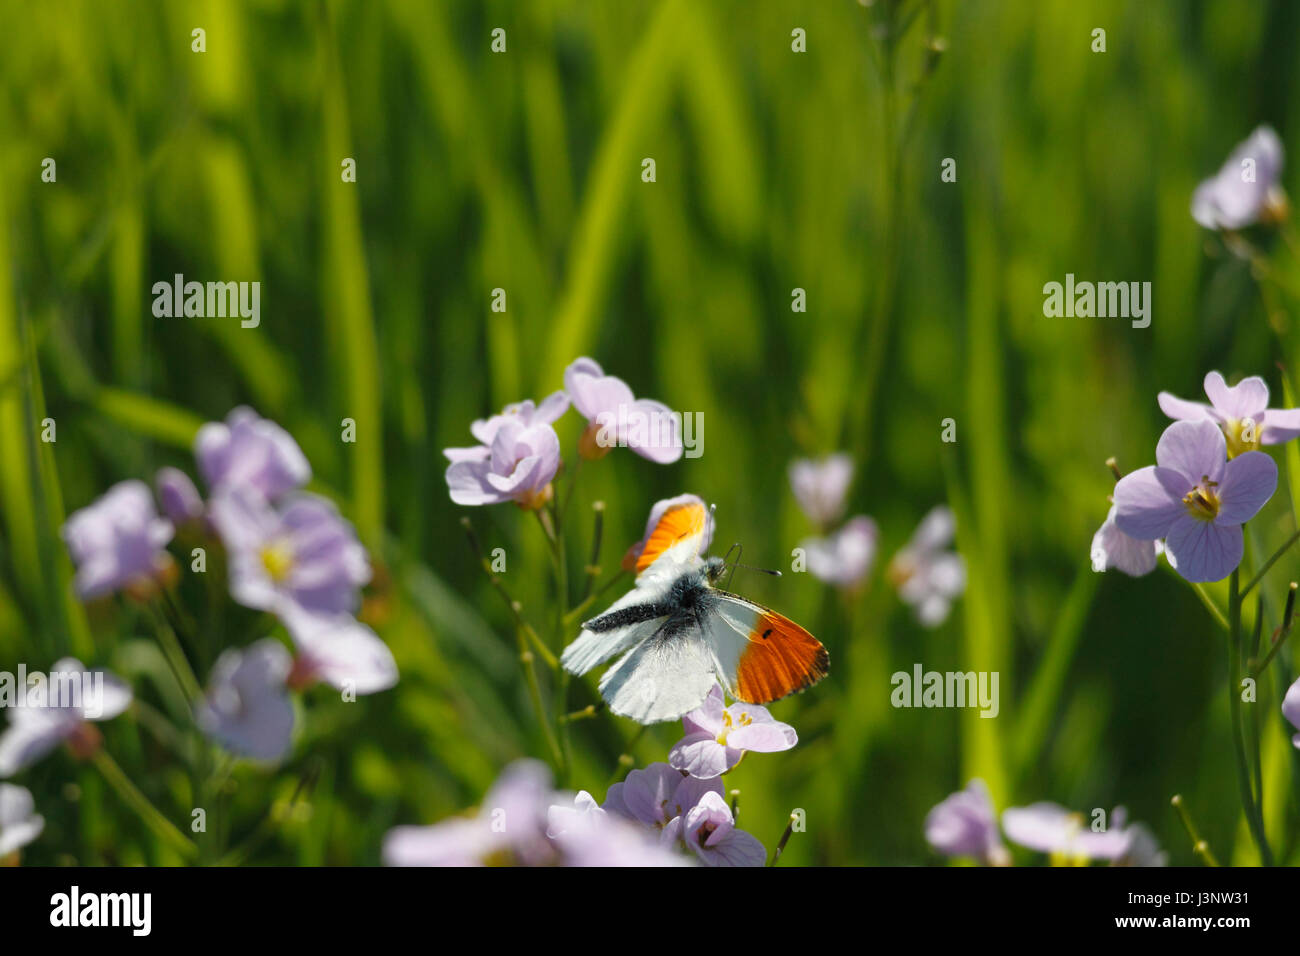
point(679, 634)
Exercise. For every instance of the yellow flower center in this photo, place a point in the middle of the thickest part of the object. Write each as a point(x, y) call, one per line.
point(728, 724)
point(277, 558)
point(1202, 502)
point(1242, 435)
point(1068, 855)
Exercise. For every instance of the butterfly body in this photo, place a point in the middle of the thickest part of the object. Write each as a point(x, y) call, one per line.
point(679, 634)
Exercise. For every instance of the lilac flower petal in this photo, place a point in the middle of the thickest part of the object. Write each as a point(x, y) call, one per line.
point(1203, 550)
point(342, 652)
point(584, 813)
point(180, 499)
point(965, 824)
point(456, 842)
point(690, 793)
point(1180, 408)
point(709, 831)
point(30, 737)
point(737, 848)
point(844, 558)
point(1249, 480)
point(476, 453)
point(251, 452)
point(820, 487)
point(660, 440)
point(1280, 425)
point(116, 539)
point(1143, 508)
point(707, 718)
point(247, 709)
point(1291, 708)
point(1193, 449)
point(614, 802)
point(594, 393)
point(936, 529)
point(1247, 399)
point(646, 793)
point(467, 483)
point(701, 756)
point(1112, 548)
point(19, 822)
point(1227, 200)
point(766, 737)
point(1046, 827)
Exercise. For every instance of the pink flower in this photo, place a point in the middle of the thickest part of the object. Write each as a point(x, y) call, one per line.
point(517, 465)
point(247, 709)
point(709, 831)
point(118, 540)
point(57, 710)
point(249, 451)
point(509, 827)
point(928, 576)
point(1112, 548)
point(1240, 410)
point(586, 835)
point(617, 418)
point(339, 650)
point(820, 486)
point(1195, 499)
point(1291, 708)
point(717, 737)
point(845, 557)
point(1235, 198)
point(20, 824)
point(180, 499)
point(657, 795)
point(1050, 828)
point(965, 824)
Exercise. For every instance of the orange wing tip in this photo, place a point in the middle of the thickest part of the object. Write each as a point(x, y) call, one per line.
point(781, 659)
point(676, 524)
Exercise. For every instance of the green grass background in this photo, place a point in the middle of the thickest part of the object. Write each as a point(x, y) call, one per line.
point(775, 170)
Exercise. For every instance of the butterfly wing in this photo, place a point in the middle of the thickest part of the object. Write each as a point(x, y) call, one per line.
point(671, 547)
point(664, 677)
point(593, 647)
point(761, 656)
point(676, 540)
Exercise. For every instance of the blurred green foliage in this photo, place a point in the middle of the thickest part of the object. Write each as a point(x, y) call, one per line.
point(775, 170)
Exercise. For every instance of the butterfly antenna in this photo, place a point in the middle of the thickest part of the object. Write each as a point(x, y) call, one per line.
point(735, 547)
point(749, 567)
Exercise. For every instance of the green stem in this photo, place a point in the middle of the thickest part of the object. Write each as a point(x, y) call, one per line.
point(1253, 819)
point(1269, 563)
point(1199, 846)
point(535, 694)
point(152, 816)
point(176, 659)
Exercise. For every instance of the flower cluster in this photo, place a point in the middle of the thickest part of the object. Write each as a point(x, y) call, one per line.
point(668, 814)
point(926, 574)
point(1208, 480)
point(288, 552)
point(518, 452)
point(965, 825)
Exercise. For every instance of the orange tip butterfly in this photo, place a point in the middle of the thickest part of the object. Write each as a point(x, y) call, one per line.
point(679, 634)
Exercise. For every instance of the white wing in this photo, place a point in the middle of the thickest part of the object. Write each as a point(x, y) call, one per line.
point(596, 647)
point(662, 678)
